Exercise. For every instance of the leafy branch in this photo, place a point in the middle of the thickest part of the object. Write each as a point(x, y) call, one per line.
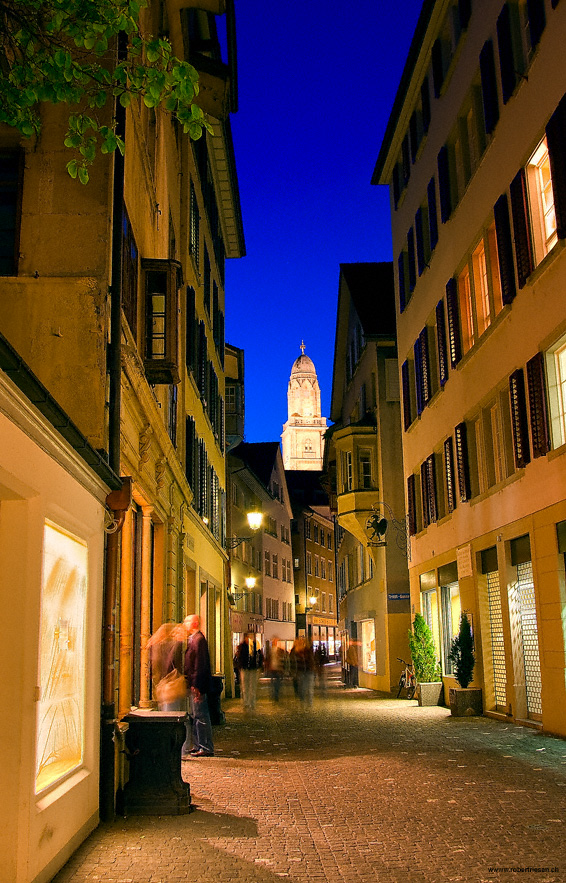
point(63, 51)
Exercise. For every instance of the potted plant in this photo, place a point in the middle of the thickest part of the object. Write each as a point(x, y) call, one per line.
point(466, 700)
point(427, 668)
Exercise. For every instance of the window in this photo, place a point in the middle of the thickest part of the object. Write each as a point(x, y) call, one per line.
point(162, 279)
point(449, 474)
point(129, 274)
point(450, 611)
point(323, 602)
point(330, 603)
point(315, 533)
point(267, 560)
point(194, 226)
point(519, 419)
point(368, 646)
point(489, 87)
point(316, 565)
point(10, 210)
point(541, 202)
point(323, 568)
point(556, 371)
point(289, 571)
point(364, 464)
point(329, 541)
point(479, 289)
point(346, 463)
point(330, 572)
point(309, 563)
point(275, 566)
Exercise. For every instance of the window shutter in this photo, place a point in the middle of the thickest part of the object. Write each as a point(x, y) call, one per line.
point(453, 313)
point(191, 342)
point(396, 185)
point(540, 432)
point(537, 20)
point(504, 249)
point(506, 57)
point(425, 366)
point(489, 87)
point(431, 489)
point(556, 140)
point(190, 444)
point(405, 159)
point(462, 462)
point(421, 262)
point(411, 505)
point(464, 12)
point(418, 374)
point(437, 67)
point(519, 211)
point(444, 184)
point(406, 388)
point(449, 474)
point(425, 104)
point(519, 419)
point(411, 255)
point(555, 3)
point(414, 135)
point(425, 500)
point(432, 215)
point(402, 282)
point(202, 359)
point(441, 343)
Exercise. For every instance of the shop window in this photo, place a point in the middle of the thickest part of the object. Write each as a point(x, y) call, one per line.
point(368, 646)
point(450, 614)
point(429, 607)
point(162, 279)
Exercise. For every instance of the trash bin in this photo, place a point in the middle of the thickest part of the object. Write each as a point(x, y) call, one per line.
point(217, 716)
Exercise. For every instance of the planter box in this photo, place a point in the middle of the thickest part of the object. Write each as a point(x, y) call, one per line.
point(466, 702)
point(431, 693)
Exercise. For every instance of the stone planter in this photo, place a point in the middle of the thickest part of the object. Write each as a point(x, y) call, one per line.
point(431, 693)
point(466, 702)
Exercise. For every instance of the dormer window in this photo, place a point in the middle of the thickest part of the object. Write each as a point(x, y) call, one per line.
point(162, 280)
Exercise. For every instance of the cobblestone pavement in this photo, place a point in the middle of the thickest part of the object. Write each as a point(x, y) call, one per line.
point(359, 788)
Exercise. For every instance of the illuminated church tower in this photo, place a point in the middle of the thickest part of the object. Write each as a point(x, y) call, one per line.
point(302, 438)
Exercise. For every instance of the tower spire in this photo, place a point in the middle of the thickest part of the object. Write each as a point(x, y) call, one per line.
point(302, 347)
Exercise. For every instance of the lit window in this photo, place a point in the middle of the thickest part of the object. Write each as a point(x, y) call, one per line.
point(162, 281)
point(481, 288)
point(556, 369)
point(466, 309)
point(365, 470)
point(541, 201)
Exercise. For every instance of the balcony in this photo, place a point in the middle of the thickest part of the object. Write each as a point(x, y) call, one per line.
point(357, 489)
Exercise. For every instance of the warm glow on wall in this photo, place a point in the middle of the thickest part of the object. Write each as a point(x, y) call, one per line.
point(60, 709)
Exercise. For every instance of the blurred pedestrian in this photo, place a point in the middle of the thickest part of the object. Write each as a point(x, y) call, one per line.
point(305, 669)
point(321, 658)
point(165, 652)
point(274, 665)
point(199, 681)
point(247, 661)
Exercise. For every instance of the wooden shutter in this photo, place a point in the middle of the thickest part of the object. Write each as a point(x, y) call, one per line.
point(402, 282)
point(453, 312)
point(506, 56)
point(444, 184)
point(190, 445)
point(191, 336)
point(462, 462)
point(441, 343)
point(405, 159)
point(411, 505)
point(556, 140)
point(411, 256)
point(522, 235)
point(418, 374)
point(425, 500)
point(540, 430)
point(464, 12)
point(396, 185)
point(202, 359)
point(489, 87)
point(425, 104)
point(432, 215)
point(519, 419)
point(431, 489)
point(449, 474)
point(406, 389)
point(437, 67)
point(504, 249)
point(425, 366)
point(537, 20)
point(414, 135)
point(421, 262)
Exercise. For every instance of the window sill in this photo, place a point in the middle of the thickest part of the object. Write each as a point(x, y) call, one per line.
point(556, 452)
point(546, 262)
point(496, 488)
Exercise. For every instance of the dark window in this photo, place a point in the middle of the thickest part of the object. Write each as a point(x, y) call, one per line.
point(519, 419)
point(464, 12)
point(411, 504)
point(556, 141)
point(191, 342)
point(411, 256)
point(504, 249)
point(202, 360)
point(406, 389)
point(537, 20)
point(444, 184)
point(129, 275)
point(507, 64)
point(421, 258)
point(396, 185)
point(425, 105)
point(414, 135)
point(449, 474)
point(172, 415)
point(462, 462)
point(437, 67)
point(206, 281)
point(537, 406)
point(162, 279)
point(432, 215)
point(441, 343)
point(190, 451)
point(405, 159)
point(453, 313)
point(489, 87)
point(194, 226)
point(521, 227)
point(402, 282)
point(11, 165)
point(418, 375)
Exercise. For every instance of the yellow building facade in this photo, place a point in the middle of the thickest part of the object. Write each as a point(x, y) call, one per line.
point(474, 155)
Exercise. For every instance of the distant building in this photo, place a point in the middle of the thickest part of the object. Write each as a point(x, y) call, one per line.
point(365, 476)
point(303, 433)
point(314, 560)
point(475, 157)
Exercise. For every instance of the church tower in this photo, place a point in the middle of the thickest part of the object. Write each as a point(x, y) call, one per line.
point(302, 438)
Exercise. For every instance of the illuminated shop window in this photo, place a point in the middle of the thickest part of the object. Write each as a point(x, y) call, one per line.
point(368, 646)
point(62, 652)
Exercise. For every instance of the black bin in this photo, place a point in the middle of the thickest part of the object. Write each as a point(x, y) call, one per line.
point(217, 716)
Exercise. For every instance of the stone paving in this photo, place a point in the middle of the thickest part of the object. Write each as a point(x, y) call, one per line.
point(359, 788)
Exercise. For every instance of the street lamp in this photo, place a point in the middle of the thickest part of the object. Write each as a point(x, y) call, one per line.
point(254, 522)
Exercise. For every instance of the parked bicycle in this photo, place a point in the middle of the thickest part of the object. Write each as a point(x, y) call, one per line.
point(407, 679)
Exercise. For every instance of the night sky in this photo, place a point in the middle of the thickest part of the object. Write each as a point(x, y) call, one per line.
point(316, 83)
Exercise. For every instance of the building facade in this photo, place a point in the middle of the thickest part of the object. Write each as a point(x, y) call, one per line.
point(474, 156)
point(113, 298)
point(364, 472)
point(303, 434)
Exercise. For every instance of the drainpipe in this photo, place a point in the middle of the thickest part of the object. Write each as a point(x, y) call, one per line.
point(108, 711)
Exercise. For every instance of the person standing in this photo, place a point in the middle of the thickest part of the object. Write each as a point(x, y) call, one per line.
point(199, 681)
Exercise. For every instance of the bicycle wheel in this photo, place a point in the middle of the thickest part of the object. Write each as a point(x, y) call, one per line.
point(411, 690)
point(401, 685)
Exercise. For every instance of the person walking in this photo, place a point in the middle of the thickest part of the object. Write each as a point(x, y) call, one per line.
point(274, 662)
point(199, 680)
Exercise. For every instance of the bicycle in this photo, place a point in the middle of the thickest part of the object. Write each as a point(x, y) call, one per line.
point(407, 679)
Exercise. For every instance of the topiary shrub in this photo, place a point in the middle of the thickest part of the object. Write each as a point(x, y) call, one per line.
point(462, 653)
point(423, 652)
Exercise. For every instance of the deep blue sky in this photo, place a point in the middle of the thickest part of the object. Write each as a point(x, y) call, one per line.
point(316, 83)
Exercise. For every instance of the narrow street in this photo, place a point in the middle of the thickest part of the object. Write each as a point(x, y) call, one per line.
point(361, 787)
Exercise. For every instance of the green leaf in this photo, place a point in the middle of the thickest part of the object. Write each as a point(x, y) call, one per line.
point(72, 168)
point(83, 175)
point(125, 99)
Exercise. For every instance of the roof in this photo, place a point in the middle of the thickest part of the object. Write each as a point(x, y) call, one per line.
point(303, 365)
point(260, 457)
point(372, 291)
point(305, 488)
